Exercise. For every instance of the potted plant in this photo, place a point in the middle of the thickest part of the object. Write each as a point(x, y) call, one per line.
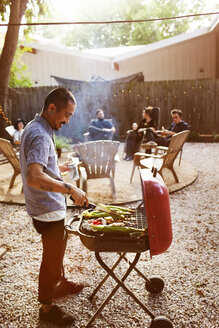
point(60, 143)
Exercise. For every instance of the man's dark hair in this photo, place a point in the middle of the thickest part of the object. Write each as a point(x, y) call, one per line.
point(18, 121)
point(60, 98)
point(99, 110)
point(176, 111)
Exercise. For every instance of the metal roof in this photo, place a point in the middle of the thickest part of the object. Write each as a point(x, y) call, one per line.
point(132, 51)
point(121, 53)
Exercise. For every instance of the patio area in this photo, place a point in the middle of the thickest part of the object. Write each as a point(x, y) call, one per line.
point(189, 267)
point(99, 189)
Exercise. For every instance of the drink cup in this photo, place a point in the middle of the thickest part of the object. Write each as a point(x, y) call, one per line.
point(73, 171)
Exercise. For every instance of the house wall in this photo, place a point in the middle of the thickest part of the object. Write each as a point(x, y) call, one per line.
point(43, 64)
point(191, 59)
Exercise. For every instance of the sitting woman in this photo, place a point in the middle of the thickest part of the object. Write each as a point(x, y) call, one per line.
point(134, 138)
point(19, 125)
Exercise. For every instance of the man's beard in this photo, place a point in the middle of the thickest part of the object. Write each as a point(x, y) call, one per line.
point(58, 128)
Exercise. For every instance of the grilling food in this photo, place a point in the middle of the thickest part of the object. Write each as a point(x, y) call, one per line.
point(96, 220)
point(122, 211)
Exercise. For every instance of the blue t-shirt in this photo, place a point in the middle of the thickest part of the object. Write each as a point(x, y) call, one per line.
point(37, 146)
point(96, 130)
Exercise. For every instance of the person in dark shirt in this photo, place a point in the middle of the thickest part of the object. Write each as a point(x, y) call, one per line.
point(163, 137)
point(135, 137)
point(101, 129)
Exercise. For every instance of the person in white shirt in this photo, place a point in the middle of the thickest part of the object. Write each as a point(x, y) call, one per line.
point(19, 125)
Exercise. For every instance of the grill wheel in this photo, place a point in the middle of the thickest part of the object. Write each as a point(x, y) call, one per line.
point(161, 322)
point(154, 285)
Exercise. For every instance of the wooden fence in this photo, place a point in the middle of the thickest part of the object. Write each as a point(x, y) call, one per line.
point(123, 102)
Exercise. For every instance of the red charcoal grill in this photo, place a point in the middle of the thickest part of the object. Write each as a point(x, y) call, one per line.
point(152, 215)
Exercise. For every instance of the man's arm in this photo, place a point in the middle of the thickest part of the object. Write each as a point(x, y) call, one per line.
point(38, 179)
point(94, 128)
point(168, 132)
point(109, 130)
point(109, 126)
point(182, 126)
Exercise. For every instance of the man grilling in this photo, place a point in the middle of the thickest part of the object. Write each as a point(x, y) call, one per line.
point(101, 129)
point(44, 192)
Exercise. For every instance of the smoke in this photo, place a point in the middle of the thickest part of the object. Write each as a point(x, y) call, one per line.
point(89, 97)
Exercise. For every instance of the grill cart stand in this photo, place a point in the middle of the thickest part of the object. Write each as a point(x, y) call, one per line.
point(153, 284)
point(156, 285)
point(157, 237)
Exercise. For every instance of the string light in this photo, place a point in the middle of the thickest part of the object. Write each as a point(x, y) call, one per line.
point(123, 91)
point(2, 113)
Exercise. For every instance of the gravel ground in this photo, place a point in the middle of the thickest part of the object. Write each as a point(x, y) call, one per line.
point(189, 268)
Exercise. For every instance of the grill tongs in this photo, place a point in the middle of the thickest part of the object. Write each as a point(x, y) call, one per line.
point(99, 206)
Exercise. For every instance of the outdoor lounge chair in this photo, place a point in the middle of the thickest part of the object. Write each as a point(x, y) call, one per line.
point(8, 151)
point(98, 161)
point(161, 161)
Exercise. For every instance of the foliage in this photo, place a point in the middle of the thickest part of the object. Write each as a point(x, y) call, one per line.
point(34, 9)
point(193, 136)
point(127, 34)
point(19, 75)
point(62, 142)
point(196, 137)
point(216, 137)
point(3, 9)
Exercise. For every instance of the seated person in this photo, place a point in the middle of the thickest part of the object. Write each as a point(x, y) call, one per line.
point(134, 138)
point(19, 125)
point(163, 137)
point(101, 129)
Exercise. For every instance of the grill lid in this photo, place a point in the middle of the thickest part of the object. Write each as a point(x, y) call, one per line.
point(157, 207)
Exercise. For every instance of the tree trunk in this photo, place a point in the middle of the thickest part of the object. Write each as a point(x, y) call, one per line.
point(17, 10)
